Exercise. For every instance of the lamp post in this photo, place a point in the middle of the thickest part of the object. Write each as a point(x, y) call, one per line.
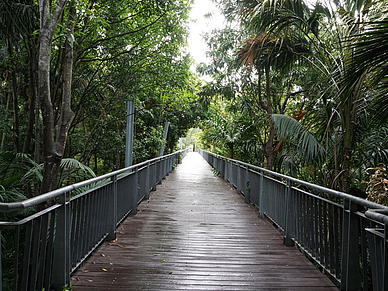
point(129, 134)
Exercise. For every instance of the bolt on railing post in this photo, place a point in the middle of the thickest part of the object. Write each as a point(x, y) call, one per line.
point(111, 220)
point(134, 192)
point(349, 252)
point(61, 261)
point(289, 232)
point(261, 194)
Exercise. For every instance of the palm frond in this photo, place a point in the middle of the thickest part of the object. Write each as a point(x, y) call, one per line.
point(307, 145)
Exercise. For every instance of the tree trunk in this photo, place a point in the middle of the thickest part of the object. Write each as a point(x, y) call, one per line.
point(33, 93)
point(4, 135)
point(268, 150)
point(52, 150)
point(15, 101)
point(348, 137)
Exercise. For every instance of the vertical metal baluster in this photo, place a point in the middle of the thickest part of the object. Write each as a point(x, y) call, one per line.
point(261, 193)
point(331, 238)
point(337, 243)
point(321, 232)
point(304, 219)
point(35, 252)
point(61, 263)
point(350, 255)
point(385, 259)
point(245, 187)
point(325, 233)
point(147, 182)
point(316, 229)
point(16, 263)
point(112, 214)
point(134, 192)
point(364, 255)
point(289, 231)
point(26, 257)
point(73, 231)
point(50, 251)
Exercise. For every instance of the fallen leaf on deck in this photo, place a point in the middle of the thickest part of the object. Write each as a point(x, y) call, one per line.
point(120, 246)
point(90, 280)
point(105, 270)
point(102, 255)
point(163, 260)
point(85, 271)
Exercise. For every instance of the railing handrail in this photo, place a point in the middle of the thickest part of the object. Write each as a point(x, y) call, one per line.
point(31, 202)
point(335, 193)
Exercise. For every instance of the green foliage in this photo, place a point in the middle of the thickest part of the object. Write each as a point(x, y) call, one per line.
point(326, 68)
point(306, 143)
point(377, 189)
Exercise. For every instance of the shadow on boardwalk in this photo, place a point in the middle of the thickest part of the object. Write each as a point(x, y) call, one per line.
point(196, 233)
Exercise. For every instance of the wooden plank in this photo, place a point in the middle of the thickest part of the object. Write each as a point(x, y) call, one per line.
point(196, 233)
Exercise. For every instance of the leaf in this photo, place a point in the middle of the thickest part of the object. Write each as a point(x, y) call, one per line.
point(308, 145)
point(163, 260)
point(120, 246)
point(105, 270)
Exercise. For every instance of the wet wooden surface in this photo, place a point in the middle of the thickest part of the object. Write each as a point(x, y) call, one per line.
point(196, 233)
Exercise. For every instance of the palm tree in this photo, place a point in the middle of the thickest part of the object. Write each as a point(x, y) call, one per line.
point(273, 48)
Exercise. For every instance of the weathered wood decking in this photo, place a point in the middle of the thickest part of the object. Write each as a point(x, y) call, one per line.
point(196, 233)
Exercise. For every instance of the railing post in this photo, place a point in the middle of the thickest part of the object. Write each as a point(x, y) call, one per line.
point(289, 232)
point(61, 261)
point(230, 173)
point(154, 179)
point(134, 192)
point(239, 178)
point(349, 253)
point(247, 192)
point(261, 194)
point(147, 182)
point(1, 265)
point(111, 220)
point(385, 258)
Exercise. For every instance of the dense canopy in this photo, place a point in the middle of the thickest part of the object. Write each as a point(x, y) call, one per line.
point(302, 88)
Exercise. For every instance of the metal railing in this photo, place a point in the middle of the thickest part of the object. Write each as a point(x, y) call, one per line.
point(50, 244)
point(345, 235)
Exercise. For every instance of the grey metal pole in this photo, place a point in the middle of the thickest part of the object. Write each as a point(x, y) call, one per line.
point(129, 134)
point(166, 125)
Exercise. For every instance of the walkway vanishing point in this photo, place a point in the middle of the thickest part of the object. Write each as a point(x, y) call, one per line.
point(196, 233)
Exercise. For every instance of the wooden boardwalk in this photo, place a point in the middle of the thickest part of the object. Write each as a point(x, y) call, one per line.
point(196, 233)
